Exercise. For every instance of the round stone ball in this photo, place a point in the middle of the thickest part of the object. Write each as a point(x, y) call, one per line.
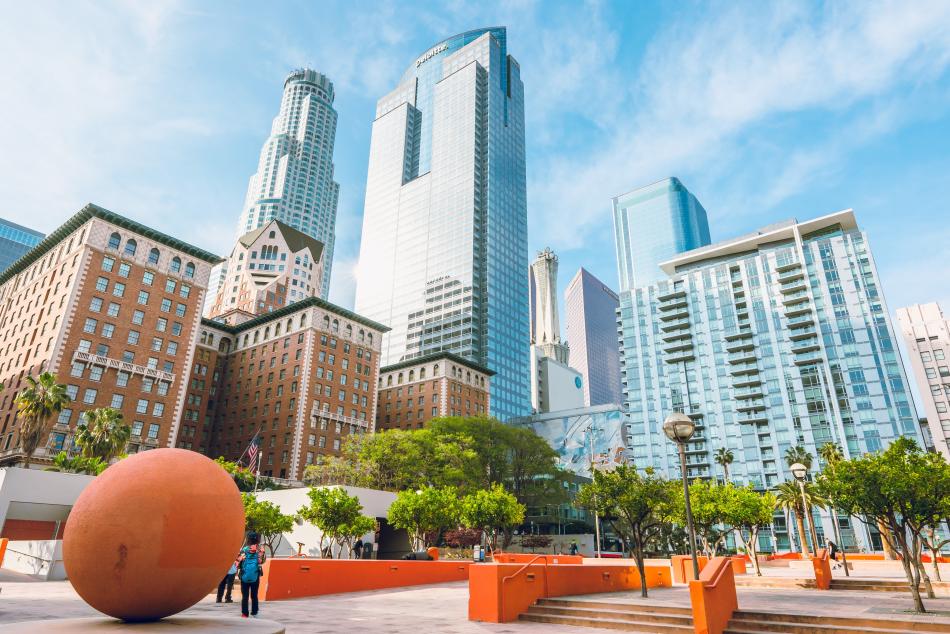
point(153, 534)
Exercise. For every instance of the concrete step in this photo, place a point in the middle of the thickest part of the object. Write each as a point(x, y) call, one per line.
point(638, 616)
point(744, 622)
point(628, 617)
point(608, 623)
point(652, 608)
point(745, 581)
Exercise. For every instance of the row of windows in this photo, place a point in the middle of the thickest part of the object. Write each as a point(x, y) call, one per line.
point(154, 255)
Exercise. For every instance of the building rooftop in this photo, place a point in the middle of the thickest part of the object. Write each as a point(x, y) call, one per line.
point(296, 240)
point(290, 309)
point(751, 242)
point(450, 356)
point(95, 211)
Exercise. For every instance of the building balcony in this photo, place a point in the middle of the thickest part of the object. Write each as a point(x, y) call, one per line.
point(793, 286)
point(676, 335)
point(678, 346)
point(793, 274)
point(680, 357)
point(751, 405)
point(797, 309)
point(795, 298)
point(797, 334)
point(749, 392)
point(746, 368)
point(808, 345)
point(802, 320)
point(741, 304)
point(743, 356)
point(740, 344)
point(674, 313)
point(809, 358)
point(746, 380)
point(673, 303)
point(783, 267)
point(317, 413)
point(753, 418)
point(679, 324)
point(740, 333)
point(131, 368)
point(666, 295)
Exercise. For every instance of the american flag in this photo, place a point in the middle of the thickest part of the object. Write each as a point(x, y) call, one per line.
point(252, 453)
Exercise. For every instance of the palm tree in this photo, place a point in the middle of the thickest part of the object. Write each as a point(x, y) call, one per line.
point(789, 497)
point(37, 403)
point(798, 454)
point(103, 434)
point(725, 457)
point(830, 453)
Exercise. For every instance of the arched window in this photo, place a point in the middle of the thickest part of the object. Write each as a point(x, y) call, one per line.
point(190, 270)
point(290, 324)
point(114, 240)
point(130, 246)
point(370, 338)
point(362, 335)
point(349, 331)
point(256, 335)
point(399, 378)
point(176, 264)
point(153, 256)
point(389, 380)
point(412, 375)
point(267, 332)
point(303, 320)
point(422, 373)
point(336, 325)
point(326, 322)
point(435, 371)
point(272, 235)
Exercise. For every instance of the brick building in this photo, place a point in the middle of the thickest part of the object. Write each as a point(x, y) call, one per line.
point(441, 384)
point(112, 308)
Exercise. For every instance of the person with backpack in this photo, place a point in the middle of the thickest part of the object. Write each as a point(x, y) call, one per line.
point(250, 568)
point(227, 583)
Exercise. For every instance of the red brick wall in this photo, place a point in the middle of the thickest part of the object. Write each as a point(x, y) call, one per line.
point(31, 529)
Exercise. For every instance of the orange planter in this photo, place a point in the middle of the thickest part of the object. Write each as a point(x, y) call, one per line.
point(822, 564)
point(738, 564)
point(498, 593)
point(713, 597)
point(296, 577)
point(523, 558)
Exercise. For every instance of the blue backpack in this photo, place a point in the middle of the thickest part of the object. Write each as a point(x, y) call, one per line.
point(251, 566)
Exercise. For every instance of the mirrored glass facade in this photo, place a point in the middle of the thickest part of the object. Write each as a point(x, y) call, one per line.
point(772, 340)
point(651, 225)
point(15, 241)
point(444, 245)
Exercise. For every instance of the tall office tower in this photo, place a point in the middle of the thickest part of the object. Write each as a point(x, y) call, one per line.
point(768, 341)
point(592, 334)
point(294, 179)
point(15, 241)
point(652, 224)
point(927, 336)
point(545, 325)
point(444, 247)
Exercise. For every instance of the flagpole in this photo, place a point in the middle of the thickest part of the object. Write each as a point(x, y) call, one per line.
point(257, 471)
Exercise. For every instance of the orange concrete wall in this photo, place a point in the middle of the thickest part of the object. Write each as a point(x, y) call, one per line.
point(523, 558)
point(3, 549)
point(713, 597)
point(22, 530)
point(822, 564)
point(683, 566)
point(866, 557)
point(296, 577)
point(738, 564)
point(494, 599)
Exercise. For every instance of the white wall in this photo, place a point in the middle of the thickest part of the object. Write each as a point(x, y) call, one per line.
point(375, 504)
point(560, 388)
point(42, 558)
point(33, 486)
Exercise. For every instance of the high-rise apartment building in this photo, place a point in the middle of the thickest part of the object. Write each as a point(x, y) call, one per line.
point(15, 241)
point(592, 335)
point(444, 245)
point(651, 225)
point(926, 334)
point(294, 178)
point(768, 341)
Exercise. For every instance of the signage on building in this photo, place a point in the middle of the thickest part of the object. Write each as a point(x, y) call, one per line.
point(432, 53)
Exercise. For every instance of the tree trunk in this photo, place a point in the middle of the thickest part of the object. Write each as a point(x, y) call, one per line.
point(907, 563)
point(935, 554)
point(788, 526)
point(641, 569)
point(802, 536)
point(886, 541)
point(922, 571)
point(752, 550)
point(813, 530)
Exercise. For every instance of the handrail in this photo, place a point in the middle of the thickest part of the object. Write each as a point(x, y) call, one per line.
point(716, 572)
point(501, 604)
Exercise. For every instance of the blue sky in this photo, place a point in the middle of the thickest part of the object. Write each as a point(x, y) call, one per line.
point(764, 110)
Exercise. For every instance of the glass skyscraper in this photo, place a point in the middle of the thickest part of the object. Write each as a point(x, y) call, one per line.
point(444, 247)
point(592, 336)
point(651, 225)
point(771, 340)
point(15, 241)
point(294, 178)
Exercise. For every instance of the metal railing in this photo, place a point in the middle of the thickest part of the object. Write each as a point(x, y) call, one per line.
point(504, 580)
point(124, 366)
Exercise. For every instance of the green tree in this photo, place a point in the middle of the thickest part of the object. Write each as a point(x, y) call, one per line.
point(265, 519)
point(798, 454)
point(63, 463)
point(902, 488)
point(830, 453)
point(244, 477)
point(494, 511)
point(638, 506)
point(103, 434)
point(339, 516)
point(724, 457)
point(708, 502)
point(425, 513)
point(789, 497)
point(37, 404)
point(749, 511)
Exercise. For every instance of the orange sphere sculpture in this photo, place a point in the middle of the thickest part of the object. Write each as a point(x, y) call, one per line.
point(153, 534)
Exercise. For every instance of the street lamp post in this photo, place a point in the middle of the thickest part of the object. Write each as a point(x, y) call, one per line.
point(590, 443)
point(679, 428)
point(800, 471)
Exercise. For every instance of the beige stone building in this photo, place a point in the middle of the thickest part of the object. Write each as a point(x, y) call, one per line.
point(441, 384)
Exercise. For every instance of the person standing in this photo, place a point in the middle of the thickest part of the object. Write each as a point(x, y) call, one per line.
point(227, 583)
point(358, 548)
point(833, 553)
point(573, 549)
point(251, 566)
